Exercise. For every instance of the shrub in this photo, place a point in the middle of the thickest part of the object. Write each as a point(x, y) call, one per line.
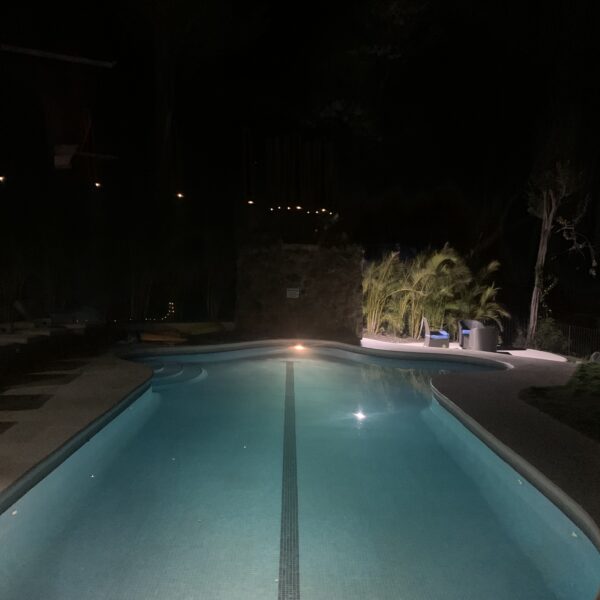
point(549, 337)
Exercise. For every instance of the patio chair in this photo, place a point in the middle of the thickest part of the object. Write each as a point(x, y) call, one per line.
point(434, 338)
point(484, 339)
point(465, 326)
point(474, 335)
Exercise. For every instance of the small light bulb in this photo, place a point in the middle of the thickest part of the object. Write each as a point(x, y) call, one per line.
point(179, 195)
point(2, 178)
point(271, 209)
point(289, 208)
point(97, 184)
point(323, 210)
point(298, 208)
point(250, 201)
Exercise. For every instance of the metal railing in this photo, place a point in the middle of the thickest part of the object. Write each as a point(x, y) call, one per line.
point(576, 340)
point(580, 341)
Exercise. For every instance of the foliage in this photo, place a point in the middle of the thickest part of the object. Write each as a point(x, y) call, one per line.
point(437, 284)
point(557, 198)
point(378, 288)
point(549, 337)
point(576, 404)
point(586, 379)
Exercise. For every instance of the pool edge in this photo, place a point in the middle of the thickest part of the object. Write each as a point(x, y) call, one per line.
point(40, 470)
point(541, 482)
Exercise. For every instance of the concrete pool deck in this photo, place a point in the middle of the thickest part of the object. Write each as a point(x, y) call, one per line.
point(67, 401)
point(568, 459)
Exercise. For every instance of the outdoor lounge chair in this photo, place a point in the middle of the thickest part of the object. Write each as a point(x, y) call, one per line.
point(474, 335)
point(436, 338)
point(465, 326)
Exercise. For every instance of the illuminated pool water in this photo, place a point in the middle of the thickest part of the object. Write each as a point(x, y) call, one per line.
point(376, 491)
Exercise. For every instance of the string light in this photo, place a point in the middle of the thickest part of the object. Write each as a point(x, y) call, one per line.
point(250, 201)
point(170, 311)
point(179, 195)
point(2, 178)
point(320, 211)
point(97, 184)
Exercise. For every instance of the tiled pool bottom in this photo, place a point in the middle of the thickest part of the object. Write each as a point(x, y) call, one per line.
point(181, 497)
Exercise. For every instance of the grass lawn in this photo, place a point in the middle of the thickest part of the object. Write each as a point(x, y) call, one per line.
point(576, 404)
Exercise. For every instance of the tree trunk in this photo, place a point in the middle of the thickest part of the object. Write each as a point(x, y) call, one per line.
point(549, 212)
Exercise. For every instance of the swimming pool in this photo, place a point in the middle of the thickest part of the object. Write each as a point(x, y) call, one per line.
point(271, 473)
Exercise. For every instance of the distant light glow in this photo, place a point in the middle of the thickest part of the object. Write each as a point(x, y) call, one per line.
point(323, 210)
point(289, 208)
point(2, 178)
point(298, 208)
point(279, 208)
point(97, 184)
point(360, 415)
point(179, 195)
point(271, 209)
point(299, 347)
point(250, 201)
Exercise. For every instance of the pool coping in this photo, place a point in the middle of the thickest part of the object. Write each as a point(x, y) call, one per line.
point(70, 400)
point(34, 475)
point(542, 482)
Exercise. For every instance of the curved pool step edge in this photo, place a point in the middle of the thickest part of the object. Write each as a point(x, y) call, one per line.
point(189, 373)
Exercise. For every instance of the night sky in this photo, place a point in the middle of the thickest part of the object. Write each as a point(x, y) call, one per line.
point(415, 122)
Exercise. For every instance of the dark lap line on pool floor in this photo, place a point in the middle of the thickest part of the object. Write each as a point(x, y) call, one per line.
point(289, 568)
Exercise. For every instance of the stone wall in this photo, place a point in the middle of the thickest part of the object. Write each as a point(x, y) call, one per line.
point(327, 281)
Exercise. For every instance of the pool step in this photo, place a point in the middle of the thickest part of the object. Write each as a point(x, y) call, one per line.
point(173, 372)
point(167, 370)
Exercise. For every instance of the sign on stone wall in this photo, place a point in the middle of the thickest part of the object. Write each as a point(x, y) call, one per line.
point(292, 293)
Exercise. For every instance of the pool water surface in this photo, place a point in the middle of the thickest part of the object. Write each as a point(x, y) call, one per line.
point(320, 475)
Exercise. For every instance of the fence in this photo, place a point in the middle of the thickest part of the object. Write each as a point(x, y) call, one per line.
point(571, 340)
point(580, 341)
